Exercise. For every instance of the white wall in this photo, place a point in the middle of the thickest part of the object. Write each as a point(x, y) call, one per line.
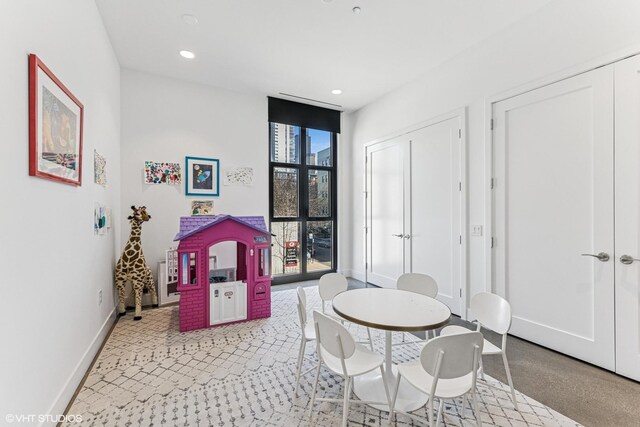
point(562, 35)
point(165, 120)
point(52, 264)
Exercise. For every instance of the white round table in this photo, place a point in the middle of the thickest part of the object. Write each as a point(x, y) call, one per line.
point(390, 310)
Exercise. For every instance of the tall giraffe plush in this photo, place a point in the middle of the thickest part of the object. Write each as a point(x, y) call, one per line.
point(132, 266)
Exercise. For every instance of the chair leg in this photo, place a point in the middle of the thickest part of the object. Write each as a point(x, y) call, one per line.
point(481, 369)
point(464, 406)
point(345, 404)
point(386, 387)
point(476, 409)
point(440, 409)
point(430, 411)
point(513, 391)
point(370, 340)
point(393, 401)
point(303, 345)
point(313, 393)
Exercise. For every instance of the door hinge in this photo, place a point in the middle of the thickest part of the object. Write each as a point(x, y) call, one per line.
point(493, 124)
point(460, 239)
point(492, 243)
point(459, 133)
point(493, 183)
point(460, 292)
point(459, 186)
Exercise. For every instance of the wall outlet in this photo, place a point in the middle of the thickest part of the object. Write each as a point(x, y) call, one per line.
point(100, 297)
point(476, 230)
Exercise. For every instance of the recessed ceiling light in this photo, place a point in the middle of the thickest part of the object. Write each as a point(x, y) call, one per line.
point(187, 54)
point(336, 91)
point(356, 10)
point(189, 19)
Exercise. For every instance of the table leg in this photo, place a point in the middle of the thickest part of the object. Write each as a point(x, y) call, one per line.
point(371, 387)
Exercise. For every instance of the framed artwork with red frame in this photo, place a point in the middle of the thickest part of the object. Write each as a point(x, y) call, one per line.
point(55, 127)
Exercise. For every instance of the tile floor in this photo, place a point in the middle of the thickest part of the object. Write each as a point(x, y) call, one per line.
point(148, 374)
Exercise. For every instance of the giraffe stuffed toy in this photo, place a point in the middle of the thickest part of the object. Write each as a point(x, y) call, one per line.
point(132, 266)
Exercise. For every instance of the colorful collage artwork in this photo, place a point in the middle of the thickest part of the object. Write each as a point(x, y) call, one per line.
point(99, 169)
point(162, 173)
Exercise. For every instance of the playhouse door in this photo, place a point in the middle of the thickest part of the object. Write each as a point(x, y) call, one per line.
point(227, 302)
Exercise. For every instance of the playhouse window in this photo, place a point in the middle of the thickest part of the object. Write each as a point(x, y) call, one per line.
point(264, 262)
point(188, 274)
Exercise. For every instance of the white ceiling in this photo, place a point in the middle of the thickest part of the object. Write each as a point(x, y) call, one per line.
point(303, 47)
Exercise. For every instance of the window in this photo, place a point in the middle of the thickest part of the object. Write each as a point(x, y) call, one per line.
point(303, 202)
point(302, 185)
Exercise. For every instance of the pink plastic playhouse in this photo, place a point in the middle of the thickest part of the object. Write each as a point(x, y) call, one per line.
point(224, 270)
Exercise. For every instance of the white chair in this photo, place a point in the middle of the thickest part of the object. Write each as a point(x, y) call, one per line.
point(308, 333)
point(339, 352)
point(420, 284)
point(447, 369)
point(492, 312)
point(330, 285)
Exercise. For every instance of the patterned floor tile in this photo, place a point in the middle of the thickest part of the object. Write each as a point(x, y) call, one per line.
point(150, 374)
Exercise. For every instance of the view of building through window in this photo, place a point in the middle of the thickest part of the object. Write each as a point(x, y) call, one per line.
point(302, 199)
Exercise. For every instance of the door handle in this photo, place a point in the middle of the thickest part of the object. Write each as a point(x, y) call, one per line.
point(398, 235)
point(628, 259)
point(407, 236)
point(602, 256)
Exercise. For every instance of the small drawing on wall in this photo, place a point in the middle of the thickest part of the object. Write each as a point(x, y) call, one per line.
point(203, 176)
point(239, 176)
point(201, 207)
point(99, 169)
point(101, 219)
point(162, 173)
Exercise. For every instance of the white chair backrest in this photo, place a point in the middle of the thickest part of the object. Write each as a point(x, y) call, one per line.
point(331, 335)
point(459, 353)
point(418, 283)
point(302, 306)
point(492, 311)
point(331, 284)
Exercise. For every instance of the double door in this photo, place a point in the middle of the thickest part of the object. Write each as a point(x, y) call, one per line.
point(415, 210)
point(567, 215)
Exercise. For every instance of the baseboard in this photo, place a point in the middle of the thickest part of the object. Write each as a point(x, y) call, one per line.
point(345, 272)
point(470, 317)
point(359, 275)
point(68, 390)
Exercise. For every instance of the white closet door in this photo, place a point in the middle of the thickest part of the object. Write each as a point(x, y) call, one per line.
point(627, 166)
point(436, 207)
point(386, 179)
point(553, 151)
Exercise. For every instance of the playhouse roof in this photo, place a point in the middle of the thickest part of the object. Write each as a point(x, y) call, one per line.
point(190, 225)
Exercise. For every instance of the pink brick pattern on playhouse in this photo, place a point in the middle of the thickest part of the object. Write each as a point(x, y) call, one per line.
point(197, 235)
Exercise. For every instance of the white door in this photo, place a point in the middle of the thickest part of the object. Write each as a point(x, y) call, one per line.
point(386, 179)
point(553, 195)
point(436, 189)
point(227, 302)
point(627, 165)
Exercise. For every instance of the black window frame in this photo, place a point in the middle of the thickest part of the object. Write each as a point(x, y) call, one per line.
point(303, 205)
